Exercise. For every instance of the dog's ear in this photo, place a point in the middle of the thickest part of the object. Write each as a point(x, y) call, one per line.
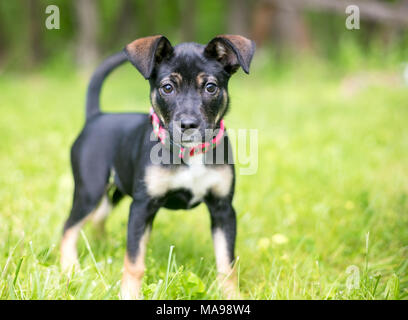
point(145, 53)
point(232, 51)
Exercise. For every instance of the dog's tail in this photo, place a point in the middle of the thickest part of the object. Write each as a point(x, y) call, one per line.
point(95, 85)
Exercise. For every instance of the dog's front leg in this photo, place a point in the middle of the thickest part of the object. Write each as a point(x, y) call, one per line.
point(223, 228)
point(140, 222)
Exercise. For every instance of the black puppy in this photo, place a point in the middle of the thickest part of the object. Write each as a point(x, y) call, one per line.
point(113, 155)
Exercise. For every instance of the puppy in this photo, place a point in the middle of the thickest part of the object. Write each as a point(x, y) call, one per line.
point(175, 157)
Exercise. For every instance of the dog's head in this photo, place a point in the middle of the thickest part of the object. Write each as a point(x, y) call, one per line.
point(189, 82)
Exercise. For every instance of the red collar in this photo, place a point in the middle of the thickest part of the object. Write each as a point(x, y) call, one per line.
point(201, 148)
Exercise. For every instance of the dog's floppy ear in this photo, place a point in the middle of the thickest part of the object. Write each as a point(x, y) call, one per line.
point(232, 51)
point(144, 53)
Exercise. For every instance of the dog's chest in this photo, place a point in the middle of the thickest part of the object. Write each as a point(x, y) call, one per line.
point(197, 178)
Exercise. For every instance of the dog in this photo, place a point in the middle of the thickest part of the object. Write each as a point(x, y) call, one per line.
point(112, 156)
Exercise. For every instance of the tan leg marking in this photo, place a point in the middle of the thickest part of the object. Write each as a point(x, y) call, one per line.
point(69, 255)
point(226, 274)
point(99, 215)
point(133, 272)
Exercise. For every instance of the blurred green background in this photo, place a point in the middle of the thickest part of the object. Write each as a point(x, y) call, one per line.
point(91, 30)
point(328, 204)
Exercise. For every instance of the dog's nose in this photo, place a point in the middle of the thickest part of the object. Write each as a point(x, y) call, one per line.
point(189, 123)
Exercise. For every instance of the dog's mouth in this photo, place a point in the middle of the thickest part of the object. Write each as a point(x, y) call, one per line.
point(190, 137)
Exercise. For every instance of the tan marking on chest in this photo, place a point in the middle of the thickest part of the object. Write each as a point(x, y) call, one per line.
point(197, 178)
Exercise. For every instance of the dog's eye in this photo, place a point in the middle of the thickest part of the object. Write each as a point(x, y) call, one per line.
point(211, 88)
point(167, 88)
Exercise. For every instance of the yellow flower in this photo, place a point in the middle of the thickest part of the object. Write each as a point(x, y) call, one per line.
point(264, 243)
point(349, 205)
point(287, 198)
point(285, 256)
point(279, 238)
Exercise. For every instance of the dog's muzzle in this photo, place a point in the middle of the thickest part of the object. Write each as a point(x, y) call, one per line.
point(199, 147)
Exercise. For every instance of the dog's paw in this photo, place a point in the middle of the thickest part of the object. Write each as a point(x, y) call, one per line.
point(69, 260)
point(229, 287)
point(130, 288)
point(69, 266)
point(127, 293)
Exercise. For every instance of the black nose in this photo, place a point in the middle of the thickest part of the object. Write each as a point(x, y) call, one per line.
point(189, 123)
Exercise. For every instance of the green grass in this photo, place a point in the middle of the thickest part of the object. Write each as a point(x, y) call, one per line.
point(330, 194)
